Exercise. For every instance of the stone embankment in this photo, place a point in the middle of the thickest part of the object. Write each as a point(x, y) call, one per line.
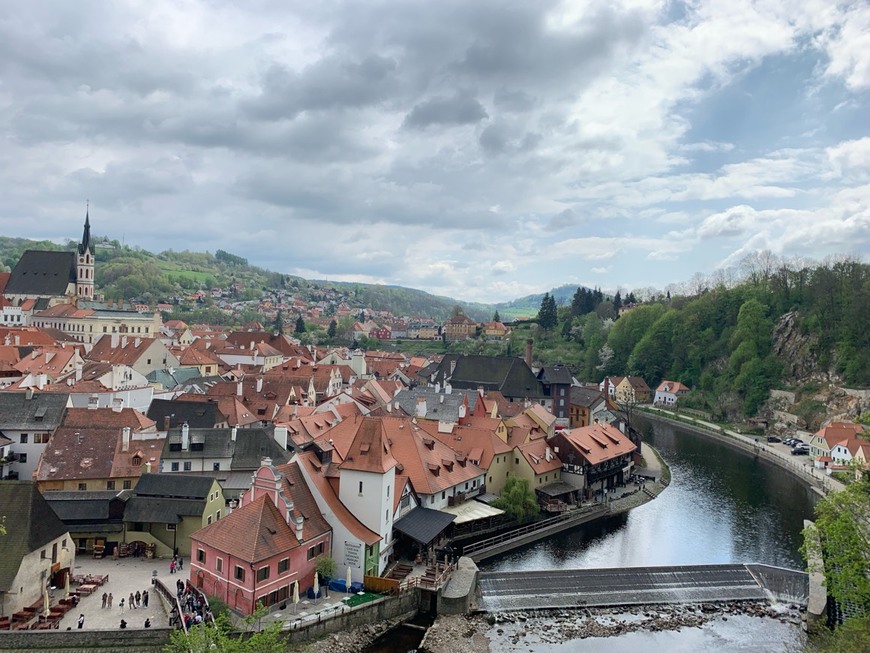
point(559, 626)
point(347, 641)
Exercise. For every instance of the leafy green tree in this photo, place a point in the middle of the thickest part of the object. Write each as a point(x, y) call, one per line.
point(331, 330)
point(843, 524)
point(222, 637)
point(517, 499)
point(547, 315)
point(326, 566)
point(300, 325)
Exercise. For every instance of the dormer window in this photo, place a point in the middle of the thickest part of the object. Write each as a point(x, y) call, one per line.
point(137, 460)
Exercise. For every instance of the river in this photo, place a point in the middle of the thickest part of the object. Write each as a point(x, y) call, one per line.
point(723, 506)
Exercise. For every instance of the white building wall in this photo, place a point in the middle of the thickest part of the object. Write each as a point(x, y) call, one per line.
point(373, 506)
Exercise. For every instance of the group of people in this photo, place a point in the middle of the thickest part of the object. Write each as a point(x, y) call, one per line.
point(193, 605)
point(137, 600)
point(176, 564)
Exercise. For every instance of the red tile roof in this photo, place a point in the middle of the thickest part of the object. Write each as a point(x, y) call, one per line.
point(266, 533)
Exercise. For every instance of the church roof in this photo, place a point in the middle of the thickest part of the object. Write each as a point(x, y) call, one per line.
point(42, 273)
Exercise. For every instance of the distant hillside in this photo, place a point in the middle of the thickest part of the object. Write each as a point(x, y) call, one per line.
point(128, 273)
point(527, 307)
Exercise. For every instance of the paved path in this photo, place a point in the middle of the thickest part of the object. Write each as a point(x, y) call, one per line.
point(125, 575)
point(503, 591)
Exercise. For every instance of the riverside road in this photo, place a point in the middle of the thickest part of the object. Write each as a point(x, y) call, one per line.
point(564, 588)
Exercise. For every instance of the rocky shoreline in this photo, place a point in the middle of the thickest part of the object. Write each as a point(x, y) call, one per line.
point(558, 626)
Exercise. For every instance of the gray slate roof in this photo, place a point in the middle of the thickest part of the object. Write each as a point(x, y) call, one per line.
point(43, 412)
point(510, 376)
point(177, 486)
point(30, 525)
point(249, 448)
point(42, 273)
point(162, 511)
point(424, 524)
point(172, 379)
point(556, 374)
point(586, 397)
point(440, 406)
point(197, 414)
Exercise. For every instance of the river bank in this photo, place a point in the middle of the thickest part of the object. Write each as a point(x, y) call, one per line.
point(816, 479)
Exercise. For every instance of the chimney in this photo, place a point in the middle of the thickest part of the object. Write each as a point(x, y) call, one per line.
point(185, 437)
point(148, 468)
point(79, 367)
point(421, 407)
point(233, 433)
point(528, 357)
point(259, 384)
point(238, 388)
point(265, 461)
point(28, 394)
point(114, 340)
point(124, 342)
point(280, 436)
point(167, 421)
point(300, 521)
point(125, 439)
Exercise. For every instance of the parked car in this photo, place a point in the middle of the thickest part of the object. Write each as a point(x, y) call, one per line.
point(800, 451)
point(799, 443)
point(773, 438)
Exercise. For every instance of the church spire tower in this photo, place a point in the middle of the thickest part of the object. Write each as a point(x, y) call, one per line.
point(85, 266)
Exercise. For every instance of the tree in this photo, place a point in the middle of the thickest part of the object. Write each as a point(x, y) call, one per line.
point(333, 327)
point(517, 499)
point(300, 325)
point(843, 527)
point(547, 315)
point(278, 327)
point(222, 637)
point(326, 566)
point(496, 317)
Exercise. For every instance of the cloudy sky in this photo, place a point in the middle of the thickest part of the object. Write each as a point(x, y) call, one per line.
point(481, 150)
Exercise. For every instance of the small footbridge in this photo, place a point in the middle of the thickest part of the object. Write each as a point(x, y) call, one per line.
point(577, 588)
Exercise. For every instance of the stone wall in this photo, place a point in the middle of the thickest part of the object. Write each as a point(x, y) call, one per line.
point(786, 418)
point(403, 606)
point(82, 641)
point(790, 397)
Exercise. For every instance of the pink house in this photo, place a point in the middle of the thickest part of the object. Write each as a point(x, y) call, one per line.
point(257, 552)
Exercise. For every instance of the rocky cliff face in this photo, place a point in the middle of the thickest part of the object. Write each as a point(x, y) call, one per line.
point(799, 353)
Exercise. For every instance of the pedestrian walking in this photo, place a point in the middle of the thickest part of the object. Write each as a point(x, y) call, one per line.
point(138, 598)
point(180, 563)
point(81, 621)
point(172, 566)
point(105, 598)
point(109, 604)
point(132, 601)
point(121, 605)
point(145, 598)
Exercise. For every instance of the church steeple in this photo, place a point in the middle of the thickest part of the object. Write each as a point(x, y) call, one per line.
point(85, 266)
point(85, 245)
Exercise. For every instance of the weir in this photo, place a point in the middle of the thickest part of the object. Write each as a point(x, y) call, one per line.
point(577, 588)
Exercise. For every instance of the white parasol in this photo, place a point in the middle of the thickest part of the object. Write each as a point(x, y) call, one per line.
point(348, 579)
point(316, 585)
point(295, 595)
point(45, 602)
point(66, 585)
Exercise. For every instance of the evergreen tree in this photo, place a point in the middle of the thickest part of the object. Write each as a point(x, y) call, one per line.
point(279, 323)
point(547, 315)
point(617, 302)
point(496, 317)
point(300, 325)
point(330, 331)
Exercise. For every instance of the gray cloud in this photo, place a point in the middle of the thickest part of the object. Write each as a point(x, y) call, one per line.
point(460, 109)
